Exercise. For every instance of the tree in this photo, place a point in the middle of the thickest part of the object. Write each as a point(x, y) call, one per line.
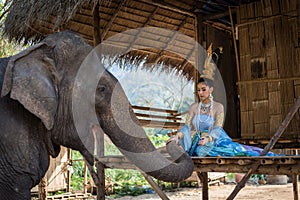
point(7, 48)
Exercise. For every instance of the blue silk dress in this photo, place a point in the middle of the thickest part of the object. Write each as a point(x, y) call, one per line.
point(222, 144)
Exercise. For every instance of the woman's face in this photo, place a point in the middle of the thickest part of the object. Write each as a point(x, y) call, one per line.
point(204, 91)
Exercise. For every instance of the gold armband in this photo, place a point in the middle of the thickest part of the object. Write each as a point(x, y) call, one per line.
point(188, 120)
point(219, 120)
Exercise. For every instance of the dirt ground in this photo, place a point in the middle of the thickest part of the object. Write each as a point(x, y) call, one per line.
point(258, 192)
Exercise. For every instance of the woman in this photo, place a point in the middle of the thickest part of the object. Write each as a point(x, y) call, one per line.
point(203, 135)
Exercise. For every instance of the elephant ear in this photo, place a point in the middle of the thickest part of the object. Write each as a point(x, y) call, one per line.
point(31, 79)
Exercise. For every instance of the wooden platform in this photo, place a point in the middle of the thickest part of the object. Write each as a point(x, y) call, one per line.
point(284, 165)
point(71, 196)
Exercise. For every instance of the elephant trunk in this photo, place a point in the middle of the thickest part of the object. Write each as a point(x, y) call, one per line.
point(133, 142)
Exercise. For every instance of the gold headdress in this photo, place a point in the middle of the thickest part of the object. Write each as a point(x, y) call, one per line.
point(209, 65)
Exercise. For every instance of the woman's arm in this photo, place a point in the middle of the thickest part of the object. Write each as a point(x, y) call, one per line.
point(219, 116)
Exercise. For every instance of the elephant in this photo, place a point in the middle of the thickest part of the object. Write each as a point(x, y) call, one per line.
point(36, 117)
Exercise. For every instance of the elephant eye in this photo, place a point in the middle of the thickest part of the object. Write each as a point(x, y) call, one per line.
point(101, 88)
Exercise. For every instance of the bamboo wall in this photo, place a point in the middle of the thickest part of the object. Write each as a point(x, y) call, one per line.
point(269, 48)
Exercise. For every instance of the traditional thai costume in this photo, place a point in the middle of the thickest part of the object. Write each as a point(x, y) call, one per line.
point(220, 144)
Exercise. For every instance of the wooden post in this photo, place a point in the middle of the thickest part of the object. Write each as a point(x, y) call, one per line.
point(269, 146)
point(99, 165)
point(295, 182)
point(204, 178)
point(69, 155)
point(199, 39)
point(295, 187)
point(235, 46)
point(84, 188)
point(43, 188)
point(96, 24)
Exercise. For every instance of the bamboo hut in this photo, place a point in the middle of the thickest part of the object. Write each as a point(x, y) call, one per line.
point(260, 66)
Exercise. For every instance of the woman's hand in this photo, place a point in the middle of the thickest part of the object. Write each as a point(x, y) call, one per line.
point(203, 141)
point(173, 138)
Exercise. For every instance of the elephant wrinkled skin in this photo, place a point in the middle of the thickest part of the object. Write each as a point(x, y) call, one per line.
point(37, 86)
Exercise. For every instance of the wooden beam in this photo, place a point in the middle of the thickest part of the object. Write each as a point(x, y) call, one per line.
point(154, 109)
point(200, 39)
point(218, 25)
point(235, 46)
point(174, 34)
point(96, 25)
point(269, 80)
point(112, 19)
point(167, 6)
point(219, 15)
point(156, 188)
point(269, 146)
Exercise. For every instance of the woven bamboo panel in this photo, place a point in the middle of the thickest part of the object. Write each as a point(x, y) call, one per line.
point(261, 111)
point(294, 125)
point(297, 88)
point(274, 103)
point(275, 120)
point(270, 57)
point(246, 97)
point(259, 91)
point(262, 129)
point(247, 128)
point(287, 92)
point(245, 66)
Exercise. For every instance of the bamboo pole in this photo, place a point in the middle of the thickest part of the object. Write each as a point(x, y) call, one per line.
point(295, 182)
point(199, 38)
point(96, 24)
point(99, 165)
point(84, 188)
point(69, 156)
point(204, 178)
point(269, 146)
point(156, 188)
point(295, 187)
point(43, 188)
point(235, 46)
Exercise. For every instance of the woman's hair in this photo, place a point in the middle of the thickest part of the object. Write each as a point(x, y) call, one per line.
point(208, 82)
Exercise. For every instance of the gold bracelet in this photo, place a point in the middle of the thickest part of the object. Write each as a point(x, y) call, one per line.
point(210, 139)
point(180, 135)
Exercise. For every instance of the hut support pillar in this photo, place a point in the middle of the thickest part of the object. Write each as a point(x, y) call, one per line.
point(99, 165)
point(69, 154)
point(43, 188)
point(204, 179)
point(295, 183)
point(295, 187)
point(199, 38)
point(269, 146)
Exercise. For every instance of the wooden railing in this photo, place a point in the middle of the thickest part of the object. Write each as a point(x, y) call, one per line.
point(159, 118)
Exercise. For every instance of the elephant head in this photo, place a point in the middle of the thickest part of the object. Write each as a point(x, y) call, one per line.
point(43, 78)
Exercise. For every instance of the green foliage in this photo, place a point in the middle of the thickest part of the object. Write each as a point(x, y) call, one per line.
point(7, 48)
point(123, 182)
point(78, 171)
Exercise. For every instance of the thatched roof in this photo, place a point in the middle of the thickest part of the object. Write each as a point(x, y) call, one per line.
point(32, 20)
